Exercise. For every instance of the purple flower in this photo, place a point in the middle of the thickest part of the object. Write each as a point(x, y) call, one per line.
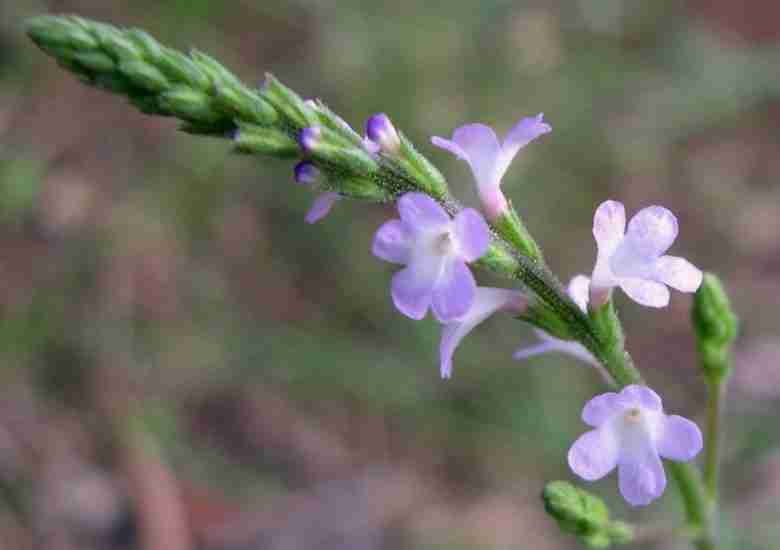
point(634, 260)
point(633, 433)
point(488, 158)
point(306, 173)
point(578, 291)
point(380, 130)
point(434, 248)
point(487, 301)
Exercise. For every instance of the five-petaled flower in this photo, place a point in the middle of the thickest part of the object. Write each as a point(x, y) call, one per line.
point(487, 301)
point(435, 249)
point(632, 433)
point(634, 259)
point(489, 158)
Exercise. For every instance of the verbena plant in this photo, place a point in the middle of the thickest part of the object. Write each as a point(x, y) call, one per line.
point(438, 242)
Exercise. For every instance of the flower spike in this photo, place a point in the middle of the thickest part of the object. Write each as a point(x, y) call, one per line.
point(487, 301)
point(488, 158)
point(633, 259)
point(632, 433)
point(435, 250)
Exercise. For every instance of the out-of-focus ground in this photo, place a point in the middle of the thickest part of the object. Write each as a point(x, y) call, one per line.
point(187, 365)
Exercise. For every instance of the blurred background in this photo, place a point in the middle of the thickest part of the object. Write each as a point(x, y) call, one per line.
point(187, 365)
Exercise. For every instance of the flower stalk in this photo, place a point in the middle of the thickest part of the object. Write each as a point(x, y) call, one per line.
point(384, 166)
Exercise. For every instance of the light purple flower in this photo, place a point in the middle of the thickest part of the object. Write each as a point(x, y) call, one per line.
point(434, 248)
point(381, 132)
point(578, 291)
point(632, 433)
point(634, 260)
point(487, 301)
point(306, 173)
point(488, 158)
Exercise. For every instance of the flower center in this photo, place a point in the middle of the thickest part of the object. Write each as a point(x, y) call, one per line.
point(633, 415)
point(444, 244)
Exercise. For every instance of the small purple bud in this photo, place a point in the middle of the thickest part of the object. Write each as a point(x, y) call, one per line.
point(306, 173)
point(310, 138)
point(380, 130)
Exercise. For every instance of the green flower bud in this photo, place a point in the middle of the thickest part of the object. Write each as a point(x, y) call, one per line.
point(583, 515)
point(239, 101)
point(430, 179)
point(288, 102)
point(179, 68)
point(144, 75)
point(716, 327)
point(94, 61)
point(189, 104)
point(47, 31)
point(253, 139)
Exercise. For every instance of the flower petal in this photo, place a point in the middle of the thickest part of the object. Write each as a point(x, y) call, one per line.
point(520, 135)
point(652, 231)
point(420, 212)
point(646, 292)
point(322, 205)
point(640, 396)
point(680, 439)
point(411, 288)
point(609, 226)
point(454, 291)
point(525, 131)
point(472, 234)
point(487, 301)
point(532, 351)
point(478, 145)
point(641, 476)
point(599, 409)
point(579, 286)
point(594, 454)
point(678, 273)
point(392, 242)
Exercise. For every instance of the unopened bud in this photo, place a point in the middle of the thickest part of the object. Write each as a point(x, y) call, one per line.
point(381, 131)
point(306, 173)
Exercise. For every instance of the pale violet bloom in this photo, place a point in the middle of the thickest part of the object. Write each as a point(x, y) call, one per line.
point(489, 158)
point(306, 173)
point(487, 301)
point(435, 249)
point(634, 259)
point(578, 291)
point(632, 433)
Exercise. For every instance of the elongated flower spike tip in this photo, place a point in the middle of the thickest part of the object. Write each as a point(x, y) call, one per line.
point(487, 301)
point(632, 433)
point(381, 131)
point(634, 259)
point(478, 145)
point(435, 249)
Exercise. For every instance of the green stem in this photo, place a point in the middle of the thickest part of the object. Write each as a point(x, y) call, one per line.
point(716, 392)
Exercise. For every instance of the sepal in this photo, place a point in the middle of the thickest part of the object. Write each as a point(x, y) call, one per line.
point(253, 139)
